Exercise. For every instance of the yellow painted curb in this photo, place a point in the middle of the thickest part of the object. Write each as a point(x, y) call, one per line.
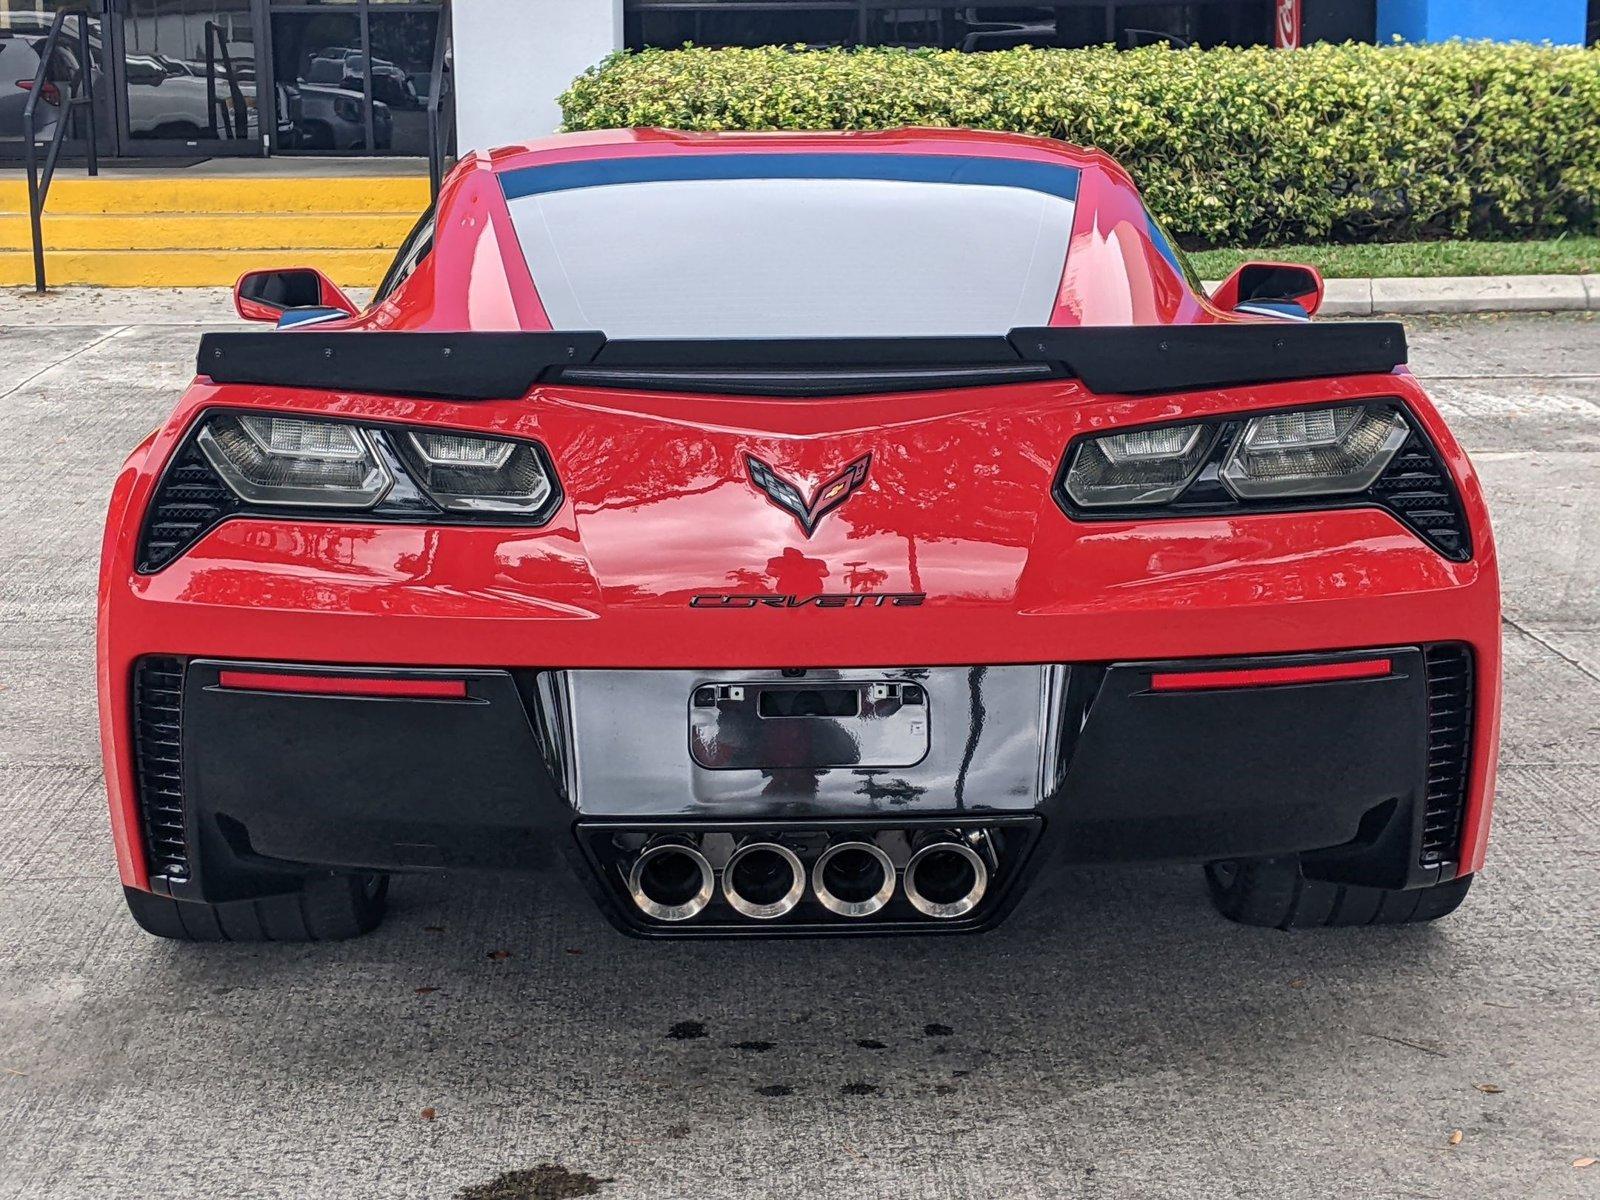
point(224, 194)
point(187, 268)
point(210, 231)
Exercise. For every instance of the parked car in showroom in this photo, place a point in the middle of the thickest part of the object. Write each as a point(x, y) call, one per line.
point(331, 119)
point(786, 534)
point(166, 97)
point(348, 68)
point(331, 106)
point(18, 71)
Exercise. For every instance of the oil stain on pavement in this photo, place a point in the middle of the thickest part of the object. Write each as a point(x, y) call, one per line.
point(547, 1181)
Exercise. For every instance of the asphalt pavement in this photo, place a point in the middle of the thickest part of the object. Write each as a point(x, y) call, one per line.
point(1113, 1039)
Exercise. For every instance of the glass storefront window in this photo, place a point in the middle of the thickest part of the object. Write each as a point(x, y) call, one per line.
point(24, 27)
point(316, 60)
point(354, 75)
point(402, 72)
point(189, 70)
point(976, 27)
point(180, 76)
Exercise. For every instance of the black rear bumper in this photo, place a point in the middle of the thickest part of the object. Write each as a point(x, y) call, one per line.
point(1356, 774)
point(1365, 778)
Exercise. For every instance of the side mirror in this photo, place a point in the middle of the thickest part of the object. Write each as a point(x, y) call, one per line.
point(268, 295)
point(1265, 288)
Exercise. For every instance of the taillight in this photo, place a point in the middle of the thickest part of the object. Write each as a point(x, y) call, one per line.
point(1325, 456)
point(272, 465)
point(293, 461)
point(473, 474)
point(1314, 452)
point(50, 92)
point(1330, 451)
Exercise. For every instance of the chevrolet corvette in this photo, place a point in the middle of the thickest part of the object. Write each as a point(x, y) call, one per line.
point(796, 534)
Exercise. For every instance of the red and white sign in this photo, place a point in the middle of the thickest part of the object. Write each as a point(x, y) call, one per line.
point(1286, 32)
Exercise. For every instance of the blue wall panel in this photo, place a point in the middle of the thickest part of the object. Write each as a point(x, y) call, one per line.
point(1561, 21)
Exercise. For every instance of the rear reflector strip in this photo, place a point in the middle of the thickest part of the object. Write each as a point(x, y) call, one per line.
point(345, 685)
point(1247, 677)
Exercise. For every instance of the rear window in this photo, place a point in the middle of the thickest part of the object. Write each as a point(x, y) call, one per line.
point(795, 245)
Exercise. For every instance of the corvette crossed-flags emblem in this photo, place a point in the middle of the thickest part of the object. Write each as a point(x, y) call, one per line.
point(828, 496)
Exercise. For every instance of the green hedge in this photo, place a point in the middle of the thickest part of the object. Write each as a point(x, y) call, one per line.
point(1249, 146)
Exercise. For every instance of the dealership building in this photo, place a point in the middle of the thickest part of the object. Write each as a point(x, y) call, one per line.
point(352, 77)
point(230, 89)
point(560, 38)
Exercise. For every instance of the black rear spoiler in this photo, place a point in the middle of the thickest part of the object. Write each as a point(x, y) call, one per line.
point(505, 366)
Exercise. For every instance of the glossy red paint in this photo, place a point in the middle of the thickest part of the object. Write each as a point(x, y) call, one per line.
point(344, 685)
point(252, 310)
point(659, 507)
point(1114, 273)
point(1255, 677)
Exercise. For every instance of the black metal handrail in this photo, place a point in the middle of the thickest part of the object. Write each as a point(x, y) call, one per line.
point(441, 106)
point(238, 125)
point(39, 182)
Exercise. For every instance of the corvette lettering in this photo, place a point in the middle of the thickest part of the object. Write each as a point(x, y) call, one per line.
point(820, 600)
point(828, 496)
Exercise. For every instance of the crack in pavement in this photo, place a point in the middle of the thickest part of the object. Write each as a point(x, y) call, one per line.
point(61, 362)
point(1556, 650)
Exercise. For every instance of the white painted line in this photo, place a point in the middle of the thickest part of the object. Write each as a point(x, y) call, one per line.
point(1471, 400)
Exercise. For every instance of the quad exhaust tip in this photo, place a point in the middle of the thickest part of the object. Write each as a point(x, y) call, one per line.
point(763, 880)
point(945, 880)
point(853, 879)
point(671, 881)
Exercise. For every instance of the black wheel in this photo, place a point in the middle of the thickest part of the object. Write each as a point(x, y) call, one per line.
point(1272, 892)
point(325, 909)
point(177, 131)
point(314, 135)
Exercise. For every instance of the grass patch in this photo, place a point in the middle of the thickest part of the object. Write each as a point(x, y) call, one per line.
point(1553, 256)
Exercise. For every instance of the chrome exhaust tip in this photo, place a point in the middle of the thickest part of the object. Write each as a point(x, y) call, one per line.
point(670, 881)
point(853, 879)
point(945, 880)
point(763, 880)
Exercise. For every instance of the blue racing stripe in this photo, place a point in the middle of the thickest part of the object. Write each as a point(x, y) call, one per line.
point(911, 168)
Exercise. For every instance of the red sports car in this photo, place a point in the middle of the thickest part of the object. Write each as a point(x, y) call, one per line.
point(796, 534)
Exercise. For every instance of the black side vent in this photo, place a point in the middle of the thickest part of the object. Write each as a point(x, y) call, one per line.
point(189, 500)
point(548, 700)
point(1449, 668)
point(1417, 489)
point(157, 747)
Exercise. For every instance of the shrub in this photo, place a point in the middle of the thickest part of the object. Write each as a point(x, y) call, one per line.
point(1230, 146)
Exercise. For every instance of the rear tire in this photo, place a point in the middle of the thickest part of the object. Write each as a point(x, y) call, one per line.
point(328, 908)
point(1273, 893)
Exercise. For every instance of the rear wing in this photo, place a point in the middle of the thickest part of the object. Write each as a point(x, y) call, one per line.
point(506, 366)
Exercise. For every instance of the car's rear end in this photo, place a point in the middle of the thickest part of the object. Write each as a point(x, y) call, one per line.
point(817, 569)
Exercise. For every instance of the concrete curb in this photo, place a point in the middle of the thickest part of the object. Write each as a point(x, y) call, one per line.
point(1462, 294)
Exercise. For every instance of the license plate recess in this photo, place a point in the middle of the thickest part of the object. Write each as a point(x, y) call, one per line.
point(808, 724)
